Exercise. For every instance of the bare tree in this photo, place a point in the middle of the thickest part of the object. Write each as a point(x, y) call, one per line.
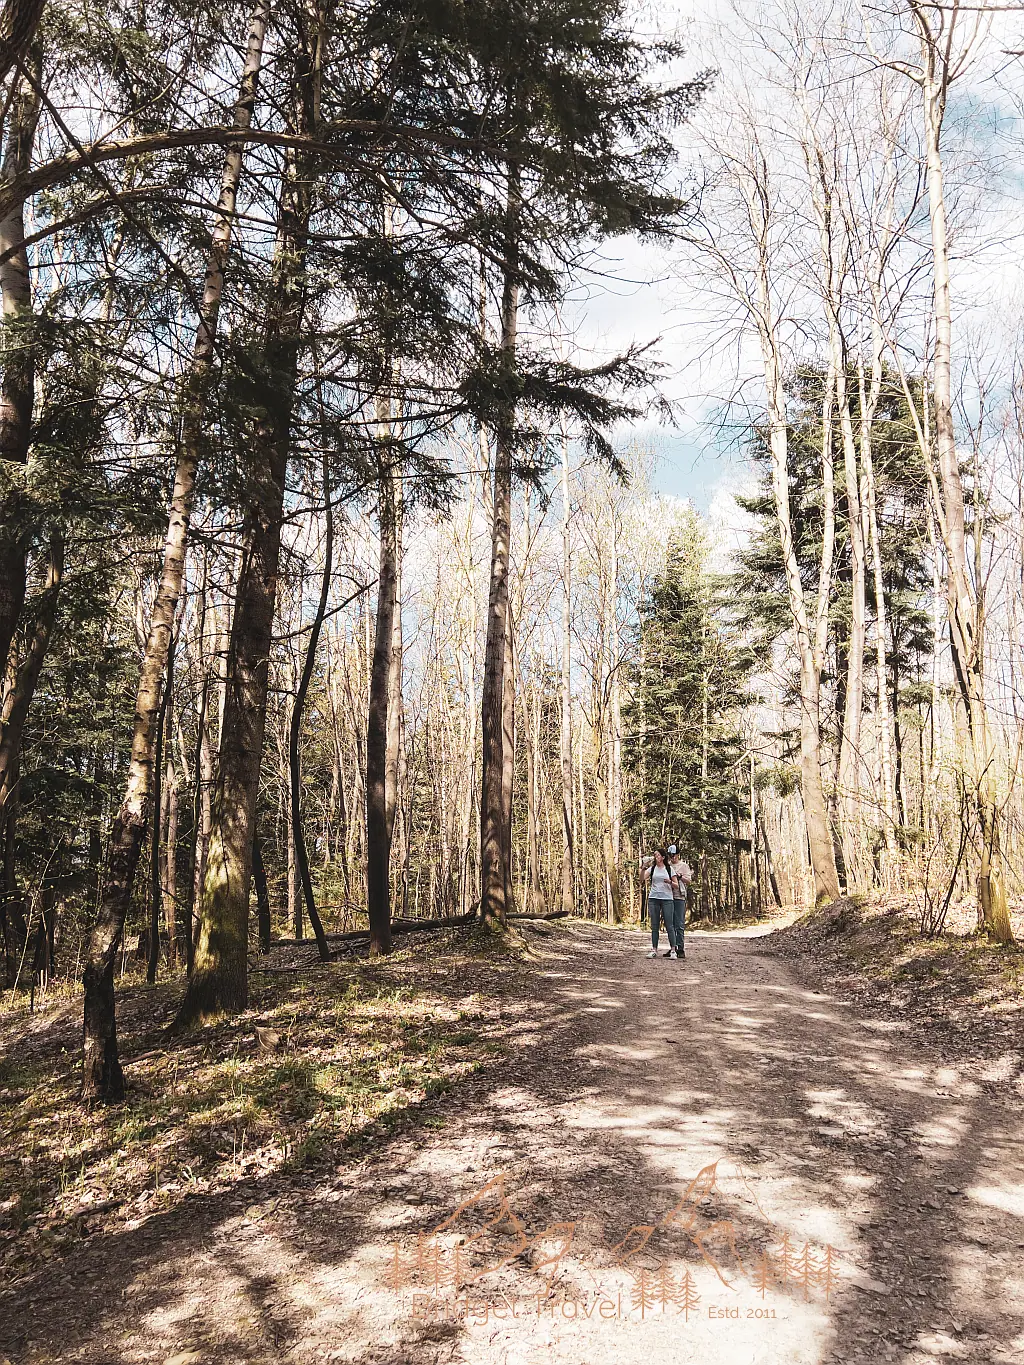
point(946, 49)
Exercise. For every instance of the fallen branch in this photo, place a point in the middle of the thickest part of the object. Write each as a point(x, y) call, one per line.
point(398, 926)
point(553, 914)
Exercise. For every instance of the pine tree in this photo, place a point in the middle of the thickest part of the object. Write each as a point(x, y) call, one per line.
point(690, 1298)
point(686, 692)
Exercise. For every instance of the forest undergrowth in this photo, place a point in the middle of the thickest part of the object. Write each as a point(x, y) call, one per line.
point(326, 1060)
point(872, 948)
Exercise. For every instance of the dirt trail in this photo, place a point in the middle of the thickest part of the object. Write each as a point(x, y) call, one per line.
point(866, 1201)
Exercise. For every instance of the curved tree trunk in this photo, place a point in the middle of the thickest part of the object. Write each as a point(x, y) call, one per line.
point(219, 983)
point(102, 1076)
point(295, 729)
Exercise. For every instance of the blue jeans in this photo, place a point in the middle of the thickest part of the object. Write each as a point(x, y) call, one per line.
point(656, 909)
point(678, 922)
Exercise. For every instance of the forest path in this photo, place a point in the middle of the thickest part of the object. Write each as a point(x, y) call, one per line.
point(828, 1128)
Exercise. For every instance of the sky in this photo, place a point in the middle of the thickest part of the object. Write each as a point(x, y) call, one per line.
point(637, 297)
point(641, 300)
point(640, 294)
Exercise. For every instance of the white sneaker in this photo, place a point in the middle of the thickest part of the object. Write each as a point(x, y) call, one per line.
point(673, 954)
point(652, 953)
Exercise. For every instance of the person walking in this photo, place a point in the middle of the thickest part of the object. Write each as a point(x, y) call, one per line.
point(682, 876)
point(659, 900)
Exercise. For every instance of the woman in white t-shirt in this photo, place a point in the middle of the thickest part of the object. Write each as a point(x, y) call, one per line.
point(659, 899)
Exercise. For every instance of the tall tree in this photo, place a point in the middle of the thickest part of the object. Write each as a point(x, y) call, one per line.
point(565, 709)
point(380, 709)
point(102, 1076)
point(941, 61)
point(219, 981)
point(17, 387)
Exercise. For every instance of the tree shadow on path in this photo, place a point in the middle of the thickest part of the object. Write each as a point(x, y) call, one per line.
point(623, 1079)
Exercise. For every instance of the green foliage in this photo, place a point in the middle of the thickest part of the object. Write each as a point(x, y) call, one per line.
point(687, 688)
point(456, 146)
point(902, 502)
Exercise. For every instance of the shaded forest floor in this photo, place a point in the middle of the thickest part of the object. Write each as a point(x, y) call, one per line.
point(565, 1153)
point(327, 1060)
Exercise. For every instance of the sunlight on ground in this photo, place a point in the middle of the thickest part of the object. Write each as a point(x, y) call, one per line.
point(645, 1175)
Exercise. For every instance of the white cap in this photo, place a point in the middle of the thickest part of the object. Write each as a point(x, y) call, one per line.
point(671, 848)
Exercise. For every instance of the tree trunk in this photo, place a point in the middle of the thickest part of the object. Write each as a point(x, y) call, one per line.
point(835, 264)
point(259, 879)
point(395, 716)
point(614, 716)
point(19, 694)
point(295, 729)
point(219, 982)
point(565, 725)
point(17, 387)
point(102, 1077)
point(611, 727)
point(155, 866)
point(584, 824)
point(826, 880)
point(508, 755)
point(357, 826)
point(378, 841)
point(469, 693)
point(294, 890)
point(897, 746)
point(823, 863)
point(850, 756)
point(533, 761)
point(204, 807)
point(885, 720)
point(12, 903)
point(611, 871)
point(201, 789)
point(965, 599)
point(171, 861)
point(494, 872)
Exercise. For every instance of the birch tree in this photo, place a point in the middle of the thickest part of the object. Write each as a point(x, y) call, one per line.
point(947, 43)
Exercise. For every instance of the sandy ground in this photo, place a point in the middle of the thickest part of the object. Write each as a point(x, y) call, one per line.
point(706, 1160)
